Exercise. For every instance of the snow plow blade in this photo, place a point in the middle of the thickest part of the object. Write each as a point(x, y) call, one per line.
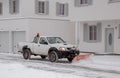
point(82, 56)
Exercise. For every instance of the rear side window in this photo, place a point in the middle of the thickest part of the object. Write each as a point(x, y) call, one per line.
point(36, 39)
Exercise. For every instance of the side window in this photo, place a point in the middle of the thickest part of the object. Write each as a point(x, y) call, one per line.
point(42, 40)
point(36, 39)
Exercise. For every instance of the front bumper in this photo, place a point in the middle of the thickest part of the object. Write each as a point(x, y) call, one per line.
point(68, 54)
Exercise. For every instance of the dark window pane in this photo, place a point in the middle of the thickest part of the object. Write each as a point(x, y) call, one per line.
point(14, 6)
point(0, 8)
point(41, 7)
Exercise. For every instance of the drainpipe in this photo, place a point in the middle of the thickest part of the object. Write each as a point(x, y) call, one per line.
point(10, 42)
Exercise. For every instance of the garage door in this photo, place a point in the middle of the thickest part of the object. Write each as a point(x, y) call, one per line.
point(4, 41)
point(17, 36)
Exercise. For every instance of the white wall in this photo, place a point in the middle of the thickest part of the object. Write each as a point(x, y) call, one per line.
point(28, 9)
point(99, 10)
point(100, 47)
point(6, 14)
point(64, 29)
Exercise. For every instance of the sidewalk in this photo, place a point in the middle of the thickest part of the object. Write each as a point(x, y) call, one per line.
point(107, 63)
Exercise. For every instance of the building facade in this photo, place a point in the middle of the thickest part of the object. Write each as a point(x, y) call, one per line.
point(93, 25)
point(21, 20)
point(97, 25)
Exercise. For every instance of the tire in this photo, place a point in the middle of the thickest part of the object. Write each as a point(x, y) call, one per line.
point(53, 56)
point(26, 54)
point(70, 59)
point(43, 57)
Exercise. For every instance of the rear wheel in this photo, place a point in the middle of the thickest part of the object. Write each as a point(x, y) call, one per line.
point(53, 56)
point(26, 54)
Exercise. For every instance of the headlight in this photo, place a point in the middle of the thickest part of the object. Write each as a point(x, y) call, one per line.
point(62, 49)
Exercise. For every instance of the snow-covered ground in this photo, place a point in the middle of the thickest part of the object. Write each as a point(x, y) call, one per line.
point(14, 66)
point(102, 62)
point(16, 70)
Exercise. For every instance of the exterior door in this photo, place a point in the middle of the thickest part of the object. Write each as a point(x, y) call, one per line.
point(4, 41)
point(109, 40)
point(17, 36)
point(43, 49)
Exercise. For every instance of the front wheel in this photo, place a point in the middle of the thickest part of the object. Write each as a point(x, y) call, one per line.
point(53, 56)
point(26, 54)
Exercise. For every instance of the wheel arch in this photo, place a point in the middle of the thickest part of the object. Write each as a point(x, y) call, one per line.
point(52, 49)
point(26, 47)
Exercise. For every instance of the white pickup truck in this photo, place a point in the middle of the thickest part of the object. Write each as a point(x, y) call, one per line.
point(53, 47)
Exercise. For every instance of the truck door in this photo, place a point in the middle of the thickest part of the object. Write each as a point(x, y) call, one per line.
point(43, 49)
point(36, 45)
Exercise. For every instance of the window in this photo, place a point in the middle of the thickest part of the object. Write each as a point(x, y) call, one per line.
point(36, 39)
point(92, 33)
point(1, 8)
point(61, 9)
point(42, 7)
point(83, 2)
point(79, 3)
point(113, 1)
point(43, 40)
point(14, 6)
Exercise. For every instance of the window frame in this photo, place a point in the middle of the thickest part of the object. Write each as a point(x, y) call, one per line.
point(92, 34)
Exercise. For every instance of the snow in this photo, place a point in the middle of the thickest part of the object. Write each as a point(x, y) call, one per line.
point(13, 65)
point(103, 62)
point(16, 70)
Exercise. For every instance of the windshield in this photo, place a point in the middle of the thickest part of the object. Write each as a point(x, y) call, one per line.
point(53, 40)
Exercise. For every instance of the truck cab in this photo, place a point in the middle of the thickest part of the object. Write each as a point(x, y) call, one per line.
point(52, 47)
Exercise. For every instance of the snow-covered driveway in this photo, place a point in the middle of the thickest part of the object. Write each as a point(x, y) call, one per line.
point(14, 66)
